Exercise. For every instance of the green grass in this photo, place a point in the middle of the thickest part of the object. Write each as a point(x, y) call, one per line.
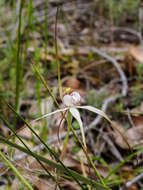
point(58, 166)
point(17, 173)
point(18, 57)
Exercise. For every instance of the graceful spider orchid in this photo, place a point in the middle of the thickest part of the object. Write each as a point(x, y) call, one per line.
point(71, 101)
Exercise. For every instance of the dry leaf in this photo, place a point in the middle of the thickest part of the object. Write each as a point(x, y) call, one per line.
point(134, 136)
point(46, 57)
point(70, 185)
point(137, 53)
point(68, 52)
point(72, 163)
point(73, 83)
point(72, 67)
point(44, 184)
point(137, 120)
point(15, 184)
point(138, 109)
point(133, 187)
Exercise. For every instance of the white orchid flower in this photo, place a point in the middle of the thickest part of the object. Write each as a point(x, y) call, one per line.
point(71, 101)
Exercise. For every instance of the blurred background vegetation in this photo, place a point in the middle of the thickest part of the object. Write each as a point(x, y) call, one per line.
point(37, 34)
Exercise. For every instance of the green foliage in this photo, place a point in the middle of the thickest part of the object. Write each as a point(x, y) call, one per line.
point(122, 9)
point(136, 97)
point(21, 188)
point(37, 127)
point(126, 126)
point(120, 107)
point(75, 125)
point(139, 70)
point(75, 149)
point(95, 100)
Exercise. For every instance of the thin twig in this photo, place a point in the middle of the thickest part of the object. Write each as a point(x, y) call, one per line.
point(129, 30)
point(129, 118)
point(134, 180)
point(113, 148)
point(115, 64)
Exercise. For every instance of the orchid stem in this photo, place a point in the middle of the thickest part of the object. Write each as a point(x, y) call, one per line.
point(67, 135)
point(87, 156)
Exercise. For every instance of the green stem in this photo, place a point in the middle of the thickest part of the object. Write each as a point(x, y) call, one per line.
point(57, 59)
point(45, 84)
point(18, 63)
point(24, 181)
point(121, 164)
point(67, 136)
point(87, 156)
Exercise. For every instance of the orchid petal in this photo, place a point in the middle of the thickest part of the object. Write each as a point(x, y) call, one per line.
point(52, 113)
point(95, 110)
point(75, 113)
point(100, 112)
